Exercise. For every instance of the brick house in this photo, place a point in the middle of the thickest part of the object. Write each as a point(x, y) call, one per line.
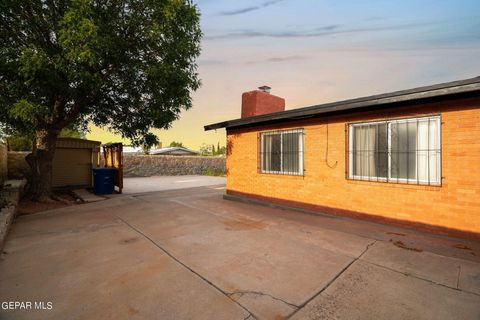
point(409, 157)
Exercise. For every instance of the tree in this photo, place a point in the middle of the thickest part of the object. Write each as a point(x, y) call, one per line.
point(176, 144)
point(222, 151)
point(147, 143)
point(205, 149)
point(127, 65)
point(19, 142)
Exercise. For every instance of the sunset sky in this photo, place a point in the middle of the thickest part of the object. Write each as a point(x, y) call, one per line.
point(313, 52)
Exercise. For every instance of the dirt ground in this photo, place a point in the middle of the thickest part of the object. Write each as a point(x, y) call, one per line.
point(65, 199)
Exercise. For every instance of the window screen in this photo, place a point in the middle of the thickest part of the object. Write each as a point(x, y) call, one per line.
point(281, 152)
point(406, 150)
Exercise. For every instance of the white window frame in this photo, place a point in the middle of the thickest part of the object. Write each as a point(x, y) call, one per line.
point(300, 151)
point(389, 123)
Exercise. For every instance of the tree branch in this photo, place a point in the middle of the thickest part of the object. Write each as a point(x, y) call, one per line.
point(70, 116)
point(59, 108)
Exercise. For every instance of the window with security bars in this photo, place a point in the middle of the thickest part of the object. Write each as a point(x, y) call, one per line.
point(406, 150)
point(281, 152)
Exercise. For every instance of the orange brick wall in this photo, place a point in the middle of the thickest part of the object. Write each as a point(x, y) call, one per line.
point(453, 205)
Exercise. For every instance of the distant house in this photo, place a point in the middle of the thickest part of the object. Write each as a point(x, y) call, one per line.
point(173, 151)
point(408, 157)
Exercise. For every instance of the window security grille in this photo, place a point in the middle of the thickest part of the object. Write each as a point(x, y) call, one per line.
point(281, 152)
point(406, 150)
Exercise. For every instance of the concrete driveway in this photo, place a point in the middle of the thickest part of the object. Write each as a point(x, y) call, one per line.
point(189, 254)
point(136, 185)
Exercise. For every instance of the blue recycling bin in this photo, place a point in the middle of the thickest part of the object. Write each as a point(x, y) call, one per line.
point(104, 180)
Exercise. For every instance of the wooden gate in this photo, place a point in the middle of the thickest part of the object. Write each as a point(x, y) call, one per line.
point(113, 156)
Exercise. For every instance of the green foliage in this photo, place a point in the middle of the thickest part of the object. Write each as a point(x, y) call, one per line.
point(20, 143)
point(205, 149)
point(213, 172)
point(149, 140)
point(71, 133)
point(221, 151)
point(176, 144)
point(26, 111)
point(209, 150)
point(128, 65)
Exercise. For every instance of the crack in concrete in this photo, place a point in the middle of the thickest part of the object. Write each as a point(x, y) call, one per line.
point(300, 307)
point(250, 314)
point(259, 293)
point(419, 278)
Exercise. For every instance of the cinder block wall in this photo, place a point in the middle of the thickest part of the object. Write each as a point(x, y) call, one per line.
point(17, 166)
point(154, 165)
point(3, 164)
point(138, 165)
point(453, 206)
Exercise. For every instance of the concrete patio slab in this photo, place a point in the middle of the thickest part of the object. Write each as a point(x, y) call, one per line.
point(187, 253)
point(443, 245)
point(264, 306)
point(469, 279)
point(426, 265)
point(366, 291)
point(105, 269)
point(256, 251)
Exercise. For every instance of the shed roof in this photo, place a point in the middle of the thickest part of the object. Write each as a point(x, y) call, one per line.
point(77, 143)
point(465, 87)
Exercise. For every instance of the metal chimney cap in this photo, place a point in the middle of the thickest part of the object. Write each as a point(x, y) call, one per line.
point(265, 89)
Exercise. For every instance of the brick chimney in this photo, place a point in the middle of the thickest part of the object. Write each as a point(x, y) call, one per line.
point(260, 101)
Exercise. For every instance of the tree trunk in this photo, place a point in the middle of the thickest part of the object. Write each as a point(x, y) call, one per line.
point(40, 162)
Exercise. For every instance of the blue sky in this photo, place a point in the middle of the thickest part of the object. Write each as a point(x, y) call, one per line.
point(312, 52)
